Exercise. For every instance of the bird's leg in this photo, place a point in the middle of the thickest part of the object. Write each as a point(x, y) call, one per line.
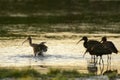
point(100, 60)
point(110, 61)
point(100, 68)
point(84, 53)
point(96, 60)
point(40, 53)
point(35, 54)
point(91, 58)
point(34, 50)
point(103, 64)
point(107, 61)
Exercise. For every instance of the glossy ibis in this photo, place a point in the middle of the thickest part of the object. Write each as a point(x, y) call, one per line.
point(88, 44)
point(110, 45)
point(95, 48)
point(37, 48)
point(100, 50)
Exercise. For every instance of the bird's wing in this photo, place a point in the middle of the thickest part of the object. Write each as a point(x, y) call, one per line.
point(92, 43)
point(43, 47)
point(111, 46)
point(99, 49)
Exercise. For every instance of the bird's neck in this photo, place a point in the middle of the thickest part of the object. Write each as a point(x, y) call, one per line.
point(85, 43)
point(30, 42)
point(104, 42)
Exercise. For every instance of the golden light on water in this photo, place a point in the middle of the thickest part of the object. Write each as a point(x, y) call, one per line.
point(60, 53)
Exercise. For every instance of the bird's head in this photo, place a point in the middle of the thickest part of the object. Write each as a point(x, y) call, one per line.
point(28, 39)
point(104, 39)
point(83, 38)
point(42, 43)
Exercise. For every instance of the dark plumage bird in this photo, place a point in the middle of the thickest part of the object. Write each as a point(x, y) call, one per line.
point(95, 48)
point(110, 45)
point(100, 50)
point(37, 48)
point(88, 44)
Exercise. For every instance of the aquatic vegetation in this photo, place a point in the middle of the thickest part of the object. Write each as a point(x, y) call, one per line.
point(27, 73)
point(18, 73)
point(32, 73)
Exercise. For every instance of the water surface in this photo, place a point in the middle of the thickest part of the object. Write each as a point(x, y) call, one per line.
point(60, 53)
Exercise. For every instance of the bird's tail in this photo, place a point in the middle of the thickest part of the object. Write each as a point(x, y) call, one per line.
point(118, 51)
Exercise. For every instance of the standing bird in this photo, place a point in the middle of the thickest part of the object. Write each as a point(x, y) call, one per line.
point(37, 48)
point(88, 44)
point(100, 50)
point(110, 45)
point(95, 48)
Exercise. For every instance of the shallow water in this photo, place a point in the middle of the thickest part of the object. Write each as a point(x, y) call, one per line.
point(60, 53)
point(57, 54)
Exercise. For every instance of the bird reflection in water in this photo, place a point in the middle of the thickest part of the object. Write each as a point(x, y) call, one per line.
point(91, 66)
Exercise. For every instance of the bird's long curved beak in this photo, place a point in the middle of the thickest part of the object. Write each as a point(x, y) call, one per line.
point(79, 41)
point(24, 41)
